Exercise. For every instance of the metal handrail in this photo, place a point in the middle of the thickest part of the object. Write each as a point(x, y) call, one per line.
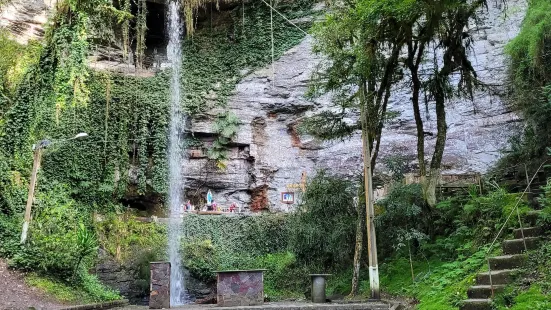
point(515, 208)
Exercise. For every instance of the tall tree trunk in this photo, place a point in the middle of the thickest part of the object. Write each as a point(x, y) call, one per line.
point(360, 228)
point(436, 161)
point(415, 55)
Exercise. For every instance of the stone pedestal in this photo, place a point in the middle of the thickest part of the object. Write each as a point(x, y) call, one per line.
point(159, 293)
point(240, 288)
point(318, 287)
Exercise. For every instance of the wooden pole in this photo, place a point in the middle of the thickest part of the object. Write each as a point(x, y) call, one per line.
point(30, 198)
point(370, 211)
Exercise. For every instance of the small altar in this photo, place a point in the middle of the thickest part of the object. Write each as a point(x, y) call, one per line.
point(240, 288)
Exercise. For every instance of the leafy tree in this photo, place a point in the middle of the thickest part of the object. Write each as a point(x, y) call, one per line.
point(439, 32)
point(362, 41)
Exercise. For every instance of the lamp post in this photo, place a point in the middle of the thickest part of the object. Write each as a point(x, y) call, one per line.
point(37, 150)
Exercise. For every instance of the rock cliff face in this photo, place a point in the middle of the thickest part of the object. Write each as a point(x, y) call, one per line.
point(25, 19)
point(269, 157)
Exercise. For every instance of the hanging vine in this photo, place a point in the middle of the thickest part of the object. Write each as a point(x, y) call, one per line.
point(125, 7)
point(127, 117)
point(141, 31)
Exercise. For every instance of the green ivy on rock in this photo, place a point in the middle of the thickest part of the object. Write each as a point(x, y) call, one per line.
point(127, 117)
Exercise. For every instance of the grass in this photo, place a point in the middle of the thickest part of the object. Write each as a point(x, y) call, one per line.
point(437, 284)
point(90, 289)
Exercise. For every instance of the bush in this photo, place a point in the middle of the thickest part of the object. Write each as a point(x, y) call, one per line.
point(12, 189)
point(402, 218)
point(87, 290)
point(323, 229)
point(10, 233)
point(201, 259)
point(485, 215)
point(58, 241)
point(283, 278)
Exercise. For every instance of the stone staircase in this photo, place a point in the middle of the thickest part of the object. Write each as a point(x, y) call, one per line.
point(503, 268)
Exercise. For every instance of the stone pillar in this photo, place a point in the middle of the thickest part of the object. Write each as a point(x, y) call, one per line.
point(159, 295)
point(318, 287)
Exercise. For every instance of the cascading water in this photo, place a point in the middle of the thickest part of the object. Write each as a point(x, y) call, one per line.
point(174, 53)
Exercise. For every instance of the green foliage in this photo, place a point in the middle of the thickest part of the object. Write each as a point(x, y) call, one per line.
point(438, 285)
point(238, 240)
point(533, 298)
point(226, 127)
point(69, 48)
point(12, 189)
point(545, 202)
point(133, 244)
point(403, 218)
point(285, 277)
point(201, 259)
point(10, 232)
point(530, 78)
point(58, 240)
point(15, 61)
point(126, 239)
point(324, 225)
point(90, 290)
point(487, 214)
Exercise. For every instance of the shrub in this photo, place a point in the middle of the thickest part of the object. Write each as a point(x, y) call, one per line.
point(323, 229)
point(487, 214)
point(10, 231)
point(201, 259)
point(58, 240)
point(403, 218)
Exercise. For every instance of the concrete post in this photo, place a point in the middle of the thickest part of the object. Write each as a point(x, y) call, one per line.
point(318, 287)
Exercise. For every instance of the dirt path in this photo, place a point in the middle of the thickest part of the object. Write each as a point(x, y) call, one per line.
point(15, 294)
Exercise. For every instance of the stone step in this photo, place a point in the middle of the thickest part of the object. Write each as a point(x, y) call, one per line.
point(531, 217)
point(483, 291)
point(507, 261)
point(476, 304)
point(516, 246)
point(528, 232)
point(498, 277)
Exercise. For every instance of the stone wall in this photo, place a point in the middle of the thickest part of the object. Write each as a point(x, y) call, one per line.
point(269, 156)
point(126, 278)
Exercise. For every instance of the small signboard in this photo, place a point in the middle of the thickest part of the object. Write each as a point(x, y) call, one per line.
point(288, 197)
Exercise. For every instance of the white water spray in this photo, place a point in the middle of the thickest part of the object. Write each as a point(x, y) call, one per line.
point(174, 53)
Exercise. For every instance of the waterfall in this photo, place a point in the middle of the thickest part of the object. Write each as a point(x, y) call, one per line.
point(174, 53)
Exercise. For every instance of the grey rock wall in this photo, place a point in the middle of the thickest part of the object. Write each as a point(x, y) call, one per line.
point(269, 157)
point(25, 19)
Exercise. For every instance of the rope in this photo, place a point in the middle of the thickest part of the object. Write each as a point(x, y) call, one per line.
point(285, 18)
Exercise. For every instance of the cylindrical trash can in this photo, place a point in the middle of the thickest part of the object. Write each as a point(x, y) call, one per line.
point(318, 287)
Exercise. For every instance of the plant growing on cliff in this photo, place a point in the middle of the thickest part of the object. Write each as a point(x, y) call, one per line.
point(530, 84)
point(226, 127)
